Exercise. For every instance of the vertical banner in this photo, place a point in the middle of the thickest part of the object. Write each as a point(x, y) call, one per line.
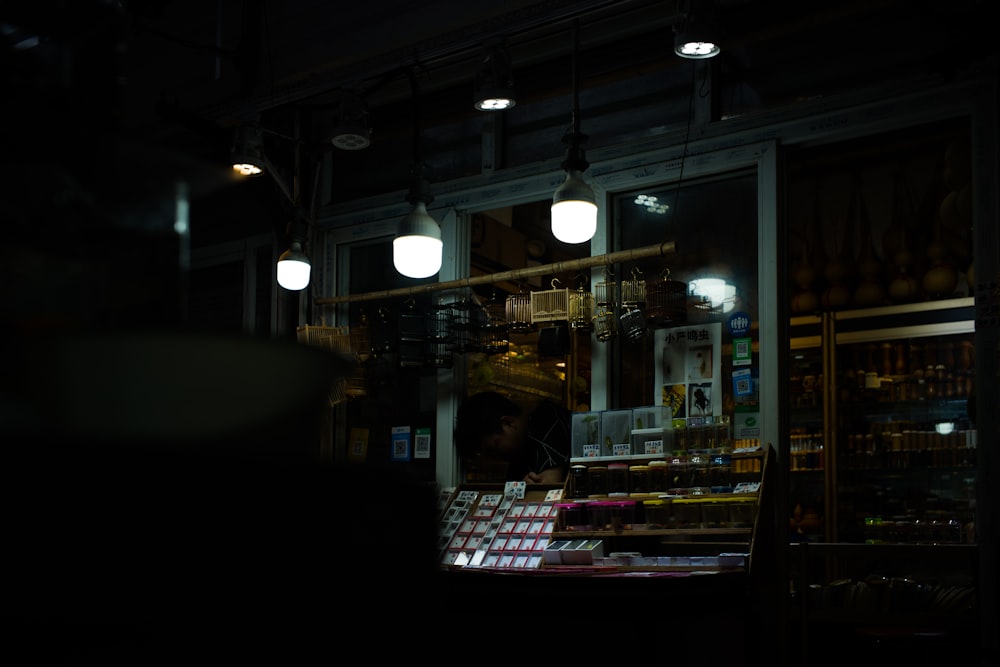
point(688, 370)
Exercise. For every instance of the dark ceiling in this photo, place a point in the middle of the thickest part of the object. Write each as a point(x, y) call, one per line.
point(124, 81)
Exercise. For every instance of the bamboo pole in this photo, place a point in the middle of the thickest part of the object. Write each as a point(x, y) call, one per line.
point(656, 250)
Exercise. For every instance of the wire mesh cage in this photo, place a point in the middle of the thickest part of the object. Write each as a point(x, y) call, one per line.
point(666, 302)
point(467, 321)
point(581, 310)
point(606, 293)
point(412, 344)
point(550, 305)
point(332, 338)
point(493, 338)
point(518, 310)
point(633, 291)
point(440, 336)
point(605, 324)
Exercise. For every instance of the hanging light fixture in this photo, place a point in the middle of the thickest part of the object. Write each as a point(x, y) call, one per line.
point(248, 150)
point(494, 82)
point(574, 205)
point(350, 129)
point(294, 268)
point(696, 36)
point(416, 249)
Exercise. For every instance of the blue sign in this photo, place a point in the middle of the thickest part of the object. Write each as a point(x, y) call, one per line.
point(739, 324)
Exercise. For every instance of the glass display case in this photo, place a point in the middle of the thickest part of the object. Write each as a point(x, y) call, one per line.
point(883, 445)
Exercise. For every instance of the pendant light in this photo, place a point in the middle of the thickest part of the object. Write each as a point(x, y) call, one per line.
point(574, 205)
point(248, 150)
point(697, 35)
point(294, 268)
point(494, 82)
point(416, 249)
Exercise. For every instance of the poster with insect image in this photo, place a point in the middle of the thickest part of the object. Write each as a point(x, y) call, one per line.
point(688, 367)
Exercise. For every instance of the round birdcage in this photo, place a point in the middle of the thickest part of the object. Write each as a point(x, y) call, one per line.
point(633, 291)
point(606, 293)
point(605, 325)
point(666, 302)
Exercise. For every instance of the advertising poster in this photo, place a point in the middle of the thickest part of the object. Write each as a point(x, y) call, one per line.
point(688, 369)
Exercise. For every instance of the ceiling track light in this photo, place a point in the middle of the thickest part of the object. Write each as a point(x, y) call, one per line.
point(494, 89)
point(574, 204)
point(696, 37)
point(417, 246)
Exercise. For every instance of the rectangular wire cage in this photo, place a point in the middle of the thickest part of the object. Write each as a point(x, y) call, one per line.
point(333, 338)
point(550, 305)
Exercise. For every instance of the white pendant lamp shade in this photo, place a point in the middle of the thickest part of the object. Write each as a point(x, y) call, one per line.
point(294, 268)
point(416, 250)
point(574, 210)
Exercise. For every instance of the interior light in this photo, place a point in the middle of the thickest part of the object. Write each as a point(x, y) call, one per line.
point(944, 428)
point(716, 291)
point(697, 35)
point(574, 205)
point(417, 247)
point(294, 268)
point(695, 49)
point(574, 210)
point(494, 82)
point(248, 150)
point(350, 128)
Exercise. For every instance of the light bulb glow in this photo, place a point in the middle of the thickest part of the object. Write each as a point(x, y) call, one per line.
point(247, 169)
point(574, 210)
point(574, 221)
point(697, 50)
point(417, 256)
point(494, 104)
point(293, 268)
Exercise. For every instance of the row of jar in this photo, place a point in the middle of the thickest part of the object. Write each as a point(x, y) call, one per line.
point(657, 513)
point(714, 471)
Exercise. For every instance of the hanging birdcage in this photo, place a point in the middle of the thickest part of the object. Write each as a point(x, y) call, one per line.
point(633, 295)
point(466, 320)
point(550, 305)
point(518, 309)
point(606, 293)
point(412, 327)
point(328, 338)
point(440, 336)
point(605, 325)
point(493, 337)
point(666, 302)
point(581, 310)
point(384, 335)
point(633, 291)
